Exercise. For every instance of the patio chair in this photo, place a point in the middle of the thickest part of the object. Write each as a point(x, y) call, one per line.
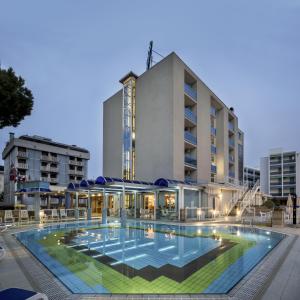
point(9, 217)
point(63, 214)
point(54, 215)
point(23, 215)
point(20, 294)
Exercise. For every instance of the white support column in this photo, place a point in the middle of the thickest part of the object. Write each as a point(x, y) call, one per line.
point(89, 210)
point(155, 204)
point(104, 208)
point(135, 202)
point(122, 207)
point(180, 201)
point(37, 207)
point(76, 207)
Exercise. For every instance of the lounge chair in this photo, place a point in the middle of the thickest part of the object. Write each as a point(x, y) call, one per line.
point(20, 294)
point(63, 214)
point(9, 217)
point(23, 215)
point(54, 215)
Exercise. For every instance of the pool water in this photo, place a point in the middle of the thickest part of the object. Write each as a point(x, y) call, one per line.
point(148, 258)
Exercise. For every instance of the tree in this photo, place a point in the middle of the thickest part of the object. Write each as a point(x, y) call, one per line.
point(16, 101)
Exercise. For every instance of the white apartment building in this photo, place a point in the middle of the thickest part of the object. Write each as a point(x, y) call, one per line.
point(280, 173)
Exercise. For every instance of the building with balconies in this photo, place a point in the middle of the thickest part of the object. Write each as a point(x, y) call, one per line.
point(167, 123)
point(280, 173)
point(35, 158)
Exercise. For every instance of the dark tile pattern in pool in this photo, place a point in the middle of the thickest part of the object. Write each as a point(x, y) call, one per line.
point(150, 273)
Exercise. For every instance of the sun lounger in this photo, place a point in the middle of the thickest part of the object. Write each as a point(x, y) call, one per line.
point(23, 215)
point(8, 216)
point(20, 294)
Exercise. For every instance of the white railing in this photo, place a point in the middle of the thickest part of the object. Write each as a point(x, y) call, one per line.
point(249, 198)
point(238, 196)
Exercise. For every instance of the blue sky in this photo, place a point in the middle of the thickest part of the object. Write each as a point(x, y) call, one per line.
point(73, 53)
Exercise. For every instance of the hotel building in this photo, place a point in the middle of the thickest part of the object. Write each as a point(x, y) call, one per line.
point(166, 123)
point(280, 173)
point(35, 158)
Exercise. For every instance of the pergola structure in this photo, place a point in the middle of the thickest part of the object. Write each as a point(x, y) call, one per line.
point(121, 188)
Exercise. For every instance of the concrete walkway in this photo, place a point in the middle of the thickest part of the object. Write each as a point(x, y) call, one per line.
point(285, 284)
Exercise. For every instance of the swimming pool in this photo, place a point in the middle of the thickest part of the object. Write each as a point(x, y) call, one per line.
point(148, 258)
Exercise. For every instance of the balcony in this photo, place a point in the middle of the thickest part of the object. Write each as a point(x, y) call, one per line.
point(53, 169)
point(231, 143)
point(75, 162)
point(213, 111)
point(53, 180)
point(190, 138)
point(289, 171)
point(231, 159)
point(231, 174)
point(213, 169)
point(275, 162)
point(213, 131)
point(45, 168)
point(44, 179)
point(22, 166)
point(213, 149)
point(188, 160)
point(22, 154)
point(230, 126)
point(79, 172)
point(190, 91)
point(190, 115)
point(49, 158)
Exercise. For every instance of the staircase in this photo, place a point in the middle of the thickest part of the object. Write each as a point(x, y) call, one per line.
point(245, 201)
point(236, 200)
point(249, 199)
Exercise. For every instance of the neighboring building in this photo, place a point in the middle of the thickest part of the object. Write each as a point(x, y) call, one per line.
point(168, 123)
point(35, 158)
point(280, 173)
point(1, 180)
point(251, 176)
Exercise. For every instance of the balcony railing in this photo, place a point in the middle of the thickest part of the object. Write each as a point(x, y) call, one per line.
point(231, 174)
point(230, 126)
point(213, 131)
point(75, 162)
point(22, 166)
point(22, 154)
point(190, 115)
point(231, 142)
point(49, 158)
point(190, 160)
point(190, 91)
point(213, 149)
point(231, 158)
point(55, 170)
point(189, 137)
point(45, 168)
point(53, 180)
point(213, 169)
point(44, 179)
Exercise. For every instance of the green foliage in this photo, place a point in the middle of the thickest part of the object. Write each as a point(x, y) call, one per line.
point(269, 204)
point(16, 101)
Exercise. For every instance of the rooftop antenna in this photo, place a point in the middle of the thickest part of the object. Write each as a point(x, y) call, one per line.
point(150, 56)
point(150, 60)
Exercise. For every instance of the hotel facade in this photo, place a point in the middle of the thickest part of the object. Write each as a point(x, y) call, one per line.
point(166, 123)
point(34, 159)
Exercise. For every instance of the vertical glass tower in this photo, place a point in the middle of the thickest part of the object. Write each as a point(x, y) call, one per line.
point(128, 122)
